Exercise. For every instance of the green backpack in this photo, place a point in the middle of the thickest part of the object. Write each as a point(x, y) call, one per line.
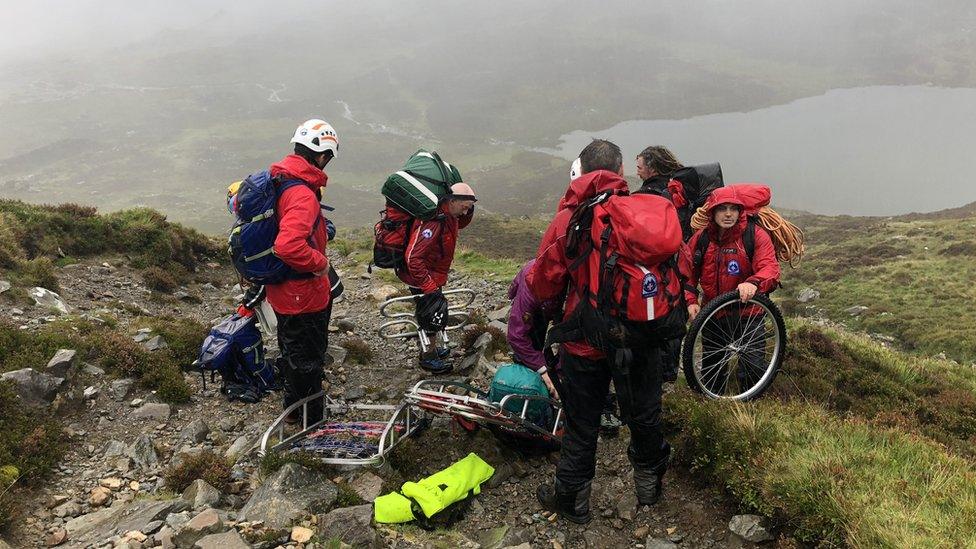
point(516, 379)
point(418, 188)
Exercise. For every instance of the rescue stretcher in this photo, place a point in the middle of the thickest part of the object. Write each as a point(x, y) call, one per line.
point(394, 328)
point(508, 416)
point(347, 434)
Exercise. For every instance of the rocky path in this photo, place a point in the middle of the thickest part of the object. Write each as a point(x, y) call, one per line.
point(109, 490)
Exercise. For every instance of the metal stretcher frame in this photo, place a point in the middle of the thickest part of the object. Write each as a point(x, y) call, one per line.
point(459, 314)
point(472, 404)
point(403, 415)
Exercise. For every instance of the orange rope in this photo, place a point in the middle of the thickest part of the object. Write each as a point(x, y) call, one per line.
point(787, 237)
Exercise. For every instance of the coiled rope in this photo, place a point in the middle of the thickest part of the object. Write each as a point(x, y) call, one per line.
point(787, 237)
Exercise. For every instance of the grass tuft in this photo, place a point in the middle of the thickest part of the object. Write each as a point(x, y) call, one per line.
point(206, 465)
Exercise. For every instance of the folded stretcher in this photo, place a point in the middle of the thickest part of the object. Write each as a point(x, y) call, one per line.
point(470, 404)
point(348, 434)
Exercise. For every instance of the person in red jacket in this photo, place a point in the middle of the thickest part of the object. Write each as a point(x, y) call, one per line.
point(427, 261)
point(302, 304)
point(725, 267)
point(586, 371)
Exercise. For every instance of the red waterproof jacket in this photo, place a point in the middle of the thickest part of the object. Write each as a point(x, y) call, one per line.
point(430, 250)
point(549, 277)
point(301, 239)
point(725, 264)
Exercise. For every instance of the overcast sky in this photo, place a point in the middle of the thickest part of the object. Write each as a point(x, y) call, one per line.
point(32, 28)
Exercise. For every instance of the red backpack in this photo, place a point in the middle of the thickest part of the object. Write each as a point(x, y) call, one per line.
point(392, 234)
point(624, 267)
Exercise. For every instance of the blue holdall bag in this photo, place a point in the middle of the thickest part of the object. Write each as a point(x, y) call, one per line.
point(251, 241)
point(235, 349)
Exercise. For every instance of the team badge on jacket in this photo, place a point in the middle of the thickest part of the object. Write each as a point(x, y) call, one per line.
point(733, 267)
point(426, 233)
point(649, 286)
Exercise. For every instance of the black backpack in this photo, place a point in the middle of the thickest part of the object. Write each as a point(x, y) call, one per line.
point(698, 182)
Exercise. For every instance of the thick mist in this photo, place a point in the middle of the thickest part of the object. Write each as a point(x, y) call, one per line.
point(109, 105)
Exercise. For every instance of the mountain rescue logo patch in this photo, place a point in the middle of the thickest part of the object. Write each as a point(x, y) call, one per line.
point(426, 233)
point(733, 267)
point(649, 286)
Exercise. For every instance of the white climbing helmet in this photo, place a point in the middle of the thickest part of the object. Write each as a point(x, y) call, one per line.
point(576, 170)
point(317, 135)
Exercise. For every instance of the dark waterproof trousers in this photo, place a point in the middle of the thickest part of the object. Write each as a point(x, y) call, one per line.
point(585, 384)
point(750, 333)
point(304, 343)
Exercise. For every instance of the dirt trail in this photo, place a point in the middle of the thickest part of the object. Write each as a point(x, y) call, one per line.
point(689, 515)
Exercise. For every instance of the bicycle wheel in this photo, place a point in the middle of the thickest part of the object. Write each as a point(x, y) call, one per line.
point(733, 350)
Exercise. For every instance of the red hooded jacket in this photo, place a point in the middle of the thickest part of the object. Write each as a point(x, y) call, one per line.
point(725, 264)
point(549, 277)
point(430, 250)
point(300, 242)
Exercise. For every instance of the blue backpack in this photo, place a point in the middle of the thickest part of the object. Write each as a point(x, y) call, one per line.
point(235, 349)
point(252, 238)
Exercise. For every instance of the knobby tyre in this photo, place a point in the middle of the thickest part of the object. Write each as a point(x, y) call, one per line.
point(734, 350)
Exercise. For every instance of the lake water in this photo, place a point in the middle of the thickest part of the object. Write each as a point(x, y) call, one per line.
point(879, 150)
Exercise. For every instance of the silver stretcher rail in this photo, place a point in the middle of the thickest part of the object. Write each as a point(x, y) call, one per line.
point(471, 403)
point(404, 421)
point(457, 313)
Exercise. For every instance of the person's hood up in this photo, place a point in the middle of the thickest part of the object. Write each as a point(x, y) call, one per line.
point(591, 184)
point(297, 167)
point(745, 197)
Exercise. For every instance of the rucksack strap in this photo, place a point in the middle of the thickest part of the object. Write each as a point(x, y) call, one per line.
point(749, 237)
point(748, 242)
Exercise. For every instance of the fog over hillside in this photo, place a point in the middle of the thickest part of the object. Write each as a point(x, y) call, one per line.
point(166, 105)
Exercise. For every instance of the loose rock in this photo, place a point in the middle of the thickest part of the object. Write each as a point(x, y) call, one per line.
point(351, 525)
point(196, 431)
point(153, 411)
point(658, 543)
point(56, 537)
point(290, 492)
point(750, 528)
point(367, 486)
point(201, 494)
point(206, 523)
point(807, 294)
point(99, 496)
point(301, 534)
point(34, 388)
point(228, 540)
point(383, 293)
point(120, 388)
point(143, 453)
point(61, 363)
point(48, 299)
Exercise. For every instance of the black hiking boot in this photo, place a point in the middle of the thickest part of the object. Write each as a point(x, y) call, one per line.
point(648, 479)
point(572, 506)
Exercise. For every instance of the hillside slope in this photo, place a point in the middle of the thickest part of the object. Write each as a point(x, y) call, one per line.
point(913, 274)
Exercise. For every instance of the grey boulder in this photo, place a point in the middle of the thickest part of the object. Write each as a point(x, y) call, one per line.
point(289, 493)
point(34, 388)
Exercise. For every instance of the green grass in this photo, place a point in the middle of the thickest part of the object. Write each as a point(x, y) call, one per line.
point(831, 481)
point(206, 465)
point(31, 444)
point(478, 265)
point(915, 276)
point(32, 237)
point(117, 353)
point(853, 376)
point(853, 445)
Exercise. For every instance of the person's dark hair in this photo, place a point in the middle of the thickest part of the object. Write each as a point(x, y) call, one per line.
point(601, 155)
point(309, 154)
point(660, 159)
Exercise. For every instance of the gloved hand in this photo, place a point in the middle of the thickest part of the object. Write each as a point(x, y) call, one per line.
point(330, 229)
point(252, 297)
